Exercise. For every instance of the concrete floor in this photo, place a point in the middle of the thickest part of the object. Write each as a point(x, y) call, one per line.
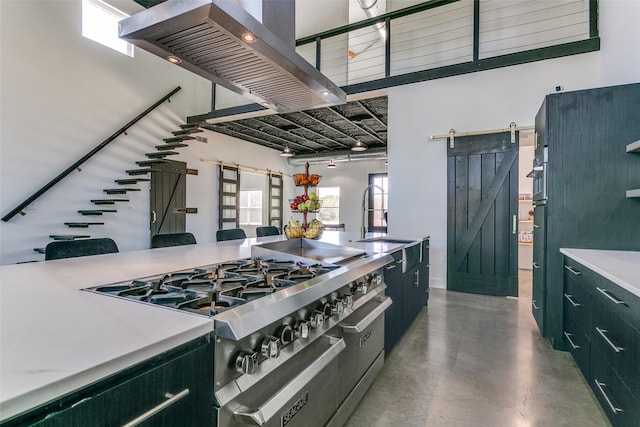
point(478, 361)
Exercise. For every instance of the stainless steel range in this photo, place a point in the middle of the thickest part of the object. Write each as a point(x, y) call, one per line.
point(299, 329)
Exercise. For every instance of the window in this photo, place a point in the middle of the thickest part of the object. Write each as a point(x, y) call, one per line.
point(100, 24)
point(250, 207)
point(378, 202)
point(330, 209)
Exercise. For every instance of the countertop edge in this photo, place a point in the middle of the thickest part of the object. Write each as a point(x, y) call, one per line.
point(578, 255)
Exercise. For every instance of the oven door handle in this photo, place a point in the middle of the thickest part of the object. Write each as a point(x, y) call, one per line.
point(272, 407)
point(363, 324)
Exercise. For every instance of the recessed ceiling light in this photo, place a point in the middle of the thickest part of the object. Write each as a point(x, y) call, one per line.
point(359, 146)
point(174, 59)
point(248, 37)
point(325, 93)
point(286, 152)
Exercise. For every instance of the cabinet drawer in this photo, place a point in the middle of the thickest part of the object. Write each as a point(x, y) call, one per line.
point(579, 346)
point(619, 343)
point(622, 302)
point(172, 391)
point(537, 306)
point(622, 409)
point(576, 301)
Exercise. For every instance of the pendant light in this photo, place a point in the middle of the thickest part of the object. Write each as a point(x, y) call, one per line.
point(331, 164)
point(286, 152)
point(359, 146)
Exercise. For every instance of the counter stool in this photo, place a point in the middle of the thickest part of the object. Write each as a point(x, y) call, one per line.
point(172, 239)
point(230, 234)
point(78, 248)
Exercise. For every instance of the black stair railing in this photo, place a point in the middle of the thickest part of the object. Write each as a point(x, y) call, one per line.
point(86, 157)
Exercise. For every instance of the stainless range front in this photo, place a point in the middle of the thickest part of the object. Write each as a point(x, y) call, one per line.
point(297, 340)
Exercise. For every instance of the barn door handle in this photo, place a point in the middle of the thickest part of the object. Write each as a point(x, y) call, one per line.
point(153, 217)
point(515, 224)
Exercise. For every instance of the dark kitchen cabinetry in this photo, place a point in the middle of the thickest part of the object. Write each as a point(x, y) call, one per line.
point(393, 316)
point(600, 326)
point(587, 175)
point(407, 280)
point(175, 388)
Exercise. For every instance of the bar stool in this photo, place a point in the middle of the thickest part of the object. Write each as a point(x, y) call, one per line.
point(78, 248)
point(267, 230)
point(172, 239)
point(230, 234)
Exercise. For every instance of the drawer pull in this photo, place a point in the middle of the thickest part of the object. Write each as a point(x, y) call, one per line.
point(573, 303)
point(535, 265)
point(536, 226)
point(533, 303)
point(390, 267)
point(573, 271)
point(573, 345)
point(609, 295)
point(171, 399)
point(601, 386)
point(602, 333)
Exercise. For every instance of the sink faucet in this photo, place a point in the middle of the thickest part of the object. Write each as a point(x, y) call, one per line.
point(364, 195)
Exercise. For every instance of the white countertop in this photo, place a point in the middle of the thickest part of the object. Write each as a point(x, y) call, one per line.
point(621, 267)
point(56, 338)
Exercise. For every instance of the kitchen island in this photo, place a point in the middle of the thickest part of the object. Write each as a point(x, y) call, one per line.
point(57, 338)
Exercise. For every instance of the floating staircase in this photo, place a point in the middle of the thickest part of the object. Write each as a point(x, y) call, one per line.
point(136, 176)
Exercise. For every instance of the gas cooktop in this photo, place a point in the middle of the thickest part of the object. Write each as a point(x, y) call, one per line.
point(213, 289)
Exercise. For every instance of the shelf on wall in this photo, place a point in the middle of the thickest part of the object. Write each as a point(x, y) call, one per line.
point(526, 221)
point(634, 147)
point(525, 243)
point(633, 193)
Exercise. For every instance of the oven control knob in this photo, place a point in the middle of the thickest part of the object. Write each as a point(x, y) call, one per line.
point(363, 287)
point(327, 310)
point(337, 307)
point(348, 300)
point(270, 347)
point(246, 363)
point(286, 334)
point(377, 279)
point(303, 329)
point(317, 319)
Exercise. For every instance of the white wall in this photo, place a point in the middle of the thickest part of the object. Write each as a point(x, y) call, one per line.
point(61, 95)
point(487, 100)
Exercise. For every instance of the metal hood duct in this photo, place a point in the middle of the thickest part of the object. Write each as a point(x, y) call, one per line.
point(222, 42)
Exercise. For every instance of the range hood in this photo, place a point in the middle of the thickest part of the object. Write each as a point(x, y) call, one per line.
point(222, 42)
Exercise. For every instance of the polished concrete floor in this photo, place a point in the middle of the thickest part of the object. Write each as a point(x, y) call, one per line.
point(478, 361)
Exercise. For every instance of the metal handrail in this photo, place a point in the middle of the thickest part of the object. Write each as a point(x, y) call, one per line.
point(86, 157)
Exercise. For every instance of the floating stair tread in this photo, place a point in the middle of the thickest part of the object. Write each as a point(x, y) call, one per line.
point(170, 146)
point(128, 181)
point(82, 224)
point(634, 147)
point(69, 236)
point(633, 193)
point(186, 131)
point(119, 190)
point(190, 126)
point(151, 162)
point(142, 171)
point(161, 154)
point(178, 138)
point(95, 211)
point(107, 201)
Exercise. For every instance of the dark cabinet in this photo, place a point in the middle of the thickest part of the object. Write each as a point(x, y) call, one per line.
point(601, 331)
point(393, 316)
point(588, 173)
point(407, 280)
point(423, 269)
point(173, 389)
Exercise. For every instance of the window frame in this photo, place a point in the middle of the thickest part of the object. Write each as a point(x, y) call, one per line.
point(373, 191)
point(325, 208)
point(248, 209)
point(105, 39)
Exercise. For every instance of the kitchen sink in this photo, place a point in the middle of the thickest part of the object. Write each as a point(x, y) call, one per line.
point(387, 240)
